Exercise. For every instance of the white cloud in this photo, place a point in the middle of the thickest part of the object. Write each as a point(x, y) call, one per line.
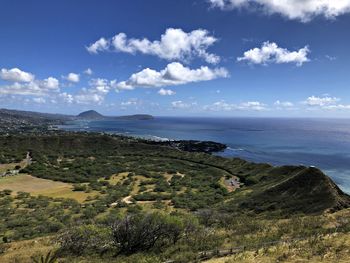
point(182, 105)
point(50, 83)
point(73, 77)
point(96, 93)
point(88, 96)
point(325, 103)
point(35, 87)
point(272, 53)
point(174, 44)
point(102, 85)
point(337, 107)
point(39, 100)
point(16, 75)
point(100, 45)
point(245, 106)
point(174, 74)
point(330, 58)
point(252, 105)
point(284, 104)
point(130, 102)
point(67, 98)
point(320, 101)
point(166, 92)
point(302, 10)
point(48, 90)
point(88, 71)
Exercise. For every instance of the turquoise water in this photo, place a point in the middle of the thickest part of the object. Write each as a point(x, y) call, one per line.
point(324, 143)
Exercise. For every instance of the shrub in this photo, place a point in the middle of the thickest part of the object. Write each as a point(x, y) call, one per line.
point(84, 239)
point(79, 187)
point(144, 232)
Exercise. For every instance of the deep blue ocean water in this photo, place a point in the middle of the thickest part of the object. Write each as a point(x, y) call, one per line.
point(324, 143)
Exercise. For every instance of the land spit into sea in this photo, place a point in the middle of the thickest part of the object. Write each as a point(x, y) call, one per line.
point(323, 143)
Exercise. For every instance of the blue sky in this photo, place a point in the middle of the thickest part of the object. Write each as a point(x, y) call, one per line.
point(176, 58)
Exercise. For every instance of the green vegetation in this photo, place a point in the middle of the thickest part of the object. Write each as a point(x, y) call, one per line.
point(152, 203)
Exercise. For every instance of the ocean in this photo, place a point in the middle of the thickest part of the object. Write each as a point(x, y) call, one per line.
point(324, 143)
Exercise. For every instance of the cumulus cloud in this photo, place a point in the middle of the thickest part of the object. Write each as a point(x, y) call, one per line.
point(34, 87)
point(246, 106)
point(174, 44)
point(88, 96)
point(88, 71)
point(100, 45)
point(130, 102)
point(337, 107)
point(73, 77)
point(179, 104)
point(325, 103)
point(50, 83)
point(252, 105)
point(272, 53)
point(39, 100)
point(283, 104)
point(48, 90)
point(320, 101)
point(96, 93)
point(66, 97)
point(174, 74)
point(16, 75)
point(292, 9)
point(166, 92)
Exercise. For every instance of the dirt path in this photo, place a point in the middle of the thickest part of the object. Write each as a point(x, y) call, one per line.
point(127, 199)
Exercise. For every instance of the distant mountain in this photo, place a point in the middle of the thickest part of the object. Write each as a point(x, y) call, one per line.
point(94, 115)
point(90, 115)
point(136, 117)
point(10, 120)
point(13, 120)
point(19, 114)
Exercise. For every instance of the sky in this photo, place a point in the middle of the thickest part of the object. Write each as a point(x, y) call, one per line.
point(256, 58)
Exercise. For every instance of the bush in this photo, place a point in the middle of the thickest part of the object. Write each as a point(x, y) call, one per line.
point(141, 232)
point(79, 187)
point(85, 239)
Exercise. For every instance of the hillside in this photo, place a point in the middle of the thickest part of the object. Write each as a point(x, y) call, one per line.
point(264, 188)
point(94, 115)
point(288, 190)
point(90, 115)
point(103, 184)
point(15, 121)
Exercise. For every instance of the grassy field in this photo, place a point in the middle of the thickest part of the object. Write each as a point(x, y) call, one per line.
point(37, 186)
point(329, 248)
point(23, 251)
point(5, 167)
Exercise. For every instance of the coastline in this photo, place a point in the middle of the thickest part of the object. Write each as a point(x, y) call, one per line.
point(290, 142)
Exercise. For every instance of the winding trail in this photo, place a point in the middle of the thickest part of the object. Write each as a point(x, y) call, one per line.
point(127, 199)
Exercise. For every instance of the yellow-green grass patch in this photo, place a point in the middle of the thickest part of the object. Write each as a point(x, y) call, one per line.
point(7, 166)
point(23, 251)
point(117, 178)
point(38, 186)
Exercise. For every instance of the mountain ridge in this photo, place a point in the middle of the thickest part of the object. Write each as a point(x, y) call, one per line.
point(94, 115)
